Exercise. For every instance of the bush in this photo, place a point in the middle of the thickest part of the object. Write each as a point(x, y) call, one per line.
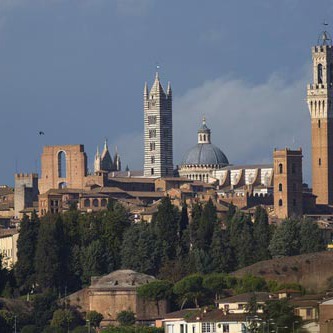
point(126, 318)
point(30, 329)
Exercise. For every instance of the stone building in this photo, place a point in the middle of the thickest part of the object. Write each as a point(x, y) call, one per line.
point(26, 192)
point(6, 202)
point(116, 292)
point(288, 183)
point(319, 99)
point(8, 247)
point(203, 159)
point(63, 167)
point(158, 150)
point(104, 162)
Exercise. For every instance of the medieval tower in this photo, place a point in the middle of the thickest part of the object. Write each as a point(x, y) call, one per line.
point(158, 156)
point(319, 99)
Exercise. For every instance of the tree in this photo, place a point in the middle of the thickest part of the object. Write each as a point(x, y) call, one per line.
point(189, 289)
point(286, 239)
point(251, 283)
point(216, 283)
point(261, 234)
point(194, 226)
point(281, 313)
point(24, 269)
point(94, 318)
point(311, 239)
point(222, 258)
point(62, 318)
point(47, 259)
point(165, 225)
point(156, 291)
point(144, 255)
point(44, 306)
point(206, 225)
point(126, 318)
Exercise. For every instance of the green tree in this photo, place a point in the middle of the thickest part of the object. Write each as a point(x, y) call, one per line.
point(94, 318)
point(310, 237)
point(166, 228)
point(194, 225)
point(62, 318)
point(281, 313)
point(286, 239)
point(261, 234)
point(47, 259)
point(221, 254)
point(24, 269)
point(206, 225)
point(156, 291)
point(144, 255)
point(92, 260)
point(126, 318)
point(43, 307)
point(216, 283)
point(189, 289)
point(251, 283)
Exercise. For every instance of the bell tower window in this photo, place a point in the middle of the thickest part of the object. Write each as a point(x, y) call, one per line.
point(320, 74)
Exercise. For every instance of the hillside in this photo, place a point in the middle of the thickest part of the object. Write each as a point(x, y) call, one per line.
point(309, 270)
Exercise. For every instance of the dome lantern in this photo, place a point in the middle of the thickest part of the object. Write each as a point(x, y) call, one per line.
point(203, 133)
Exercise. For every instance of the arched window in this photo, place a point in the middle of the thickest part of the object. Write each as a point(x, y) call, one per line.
point(62, 185)
point(204, 137)
point(280, 187)
point(95, 203)
point(62, 164)
point(320, 73)
point(280, 202)
point(200, 137)
point(318, 123)
point(86, 203)
point(103, 202)
point(280, 168)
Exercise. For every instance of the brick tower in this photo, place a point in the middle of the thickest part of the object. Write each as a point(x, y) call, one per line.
point(288, 180)
point(319, 99)
point(158, 156)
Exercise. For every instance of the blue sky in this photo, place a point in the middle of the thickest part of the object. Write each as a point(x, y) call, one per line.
point(76, 70)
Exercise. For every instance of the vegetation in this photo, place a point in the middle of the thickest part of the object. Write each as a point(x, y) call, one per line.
point(126, 318)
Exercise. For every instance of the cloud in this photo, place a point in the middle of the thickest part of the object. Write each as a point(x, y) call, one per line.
point(247, 121)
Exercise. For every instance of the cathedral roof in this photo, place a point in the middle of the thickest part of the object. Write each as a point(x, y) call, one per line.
point(205, 154)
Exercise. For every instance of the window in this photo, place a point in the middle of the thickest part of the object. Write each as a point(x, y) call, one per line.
point(280, 202)
point(104, 202)
point(280, 187)
point(152, 171)
point(152, 146)
point(169, 329)
point(152, 159)
point(95, 203)
point(86, 203)
point(208, 328)
point(151, 120)
point(280, 168)
point(225, 328)
point(152, 133)
point(182, 328)
point(61, 164)
point(293, 168)
point(240, 306)
point(320, 73)
point(319, 161)
point(308, 312)
point(226, 307)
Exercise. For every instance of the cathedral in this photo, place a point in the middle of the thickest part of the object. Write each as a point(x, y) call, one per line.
point(104, 162)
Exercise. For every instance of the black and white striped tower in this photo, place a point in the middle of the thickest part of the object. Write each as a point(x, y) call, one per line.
point(158, 130)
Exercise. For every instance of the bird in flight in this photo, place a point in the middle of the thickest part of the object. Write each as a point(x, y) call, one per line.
point(41, 133)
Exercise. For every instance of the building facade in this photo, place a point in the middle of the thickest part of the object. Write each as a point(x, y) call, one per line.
point(158, 150)
point(288, 183)
point(319, 99)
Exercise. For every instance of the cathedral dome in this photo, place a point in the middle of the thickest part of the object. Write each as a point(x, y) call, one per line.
point(205, 154)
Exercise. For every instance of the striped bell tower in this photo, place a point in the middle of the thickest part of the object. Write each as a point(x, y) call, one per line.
point(158, 156)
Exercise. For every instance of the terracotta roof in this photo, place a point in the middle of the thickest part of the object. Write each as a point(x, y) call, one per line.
point(144, 194)
point(5, 190)
point(132, 180)
point(201, 315)
point(260, 296)
point(107, 189)
point(8, 232)
point(175, 179)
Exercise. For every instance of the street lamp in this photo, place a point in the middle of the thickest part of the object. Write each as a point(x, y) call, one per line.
point(88, 324)
point(295, 322)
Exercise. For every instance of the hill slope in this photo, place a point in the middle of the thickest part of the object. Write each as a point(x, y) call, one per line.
point(310, 270)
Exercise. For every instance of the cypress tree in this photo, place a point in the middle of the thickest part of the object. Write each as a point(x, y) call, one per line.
point(262, 234)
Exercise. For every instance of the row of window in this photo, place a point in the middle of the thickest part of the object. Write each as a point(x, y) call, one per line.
point(152, 120)
point(152, 133)
point(95, 203)
point(281, 187)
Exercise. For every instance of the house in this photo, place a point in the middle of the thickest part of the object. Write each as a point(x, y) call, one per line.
point(238, 304)
point(204, 321)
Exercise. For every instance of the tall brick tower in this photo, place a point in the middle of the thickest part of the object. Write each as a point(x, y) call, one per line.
point(288, 188)
point(158, 156)
point(319, 99)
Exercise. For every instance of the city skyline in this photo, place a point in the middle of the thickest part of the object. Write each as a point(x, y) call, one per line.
point(76, 71)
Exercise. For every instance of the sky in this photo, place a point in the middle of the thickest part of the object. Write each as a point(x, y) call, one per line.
point(75, 69)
